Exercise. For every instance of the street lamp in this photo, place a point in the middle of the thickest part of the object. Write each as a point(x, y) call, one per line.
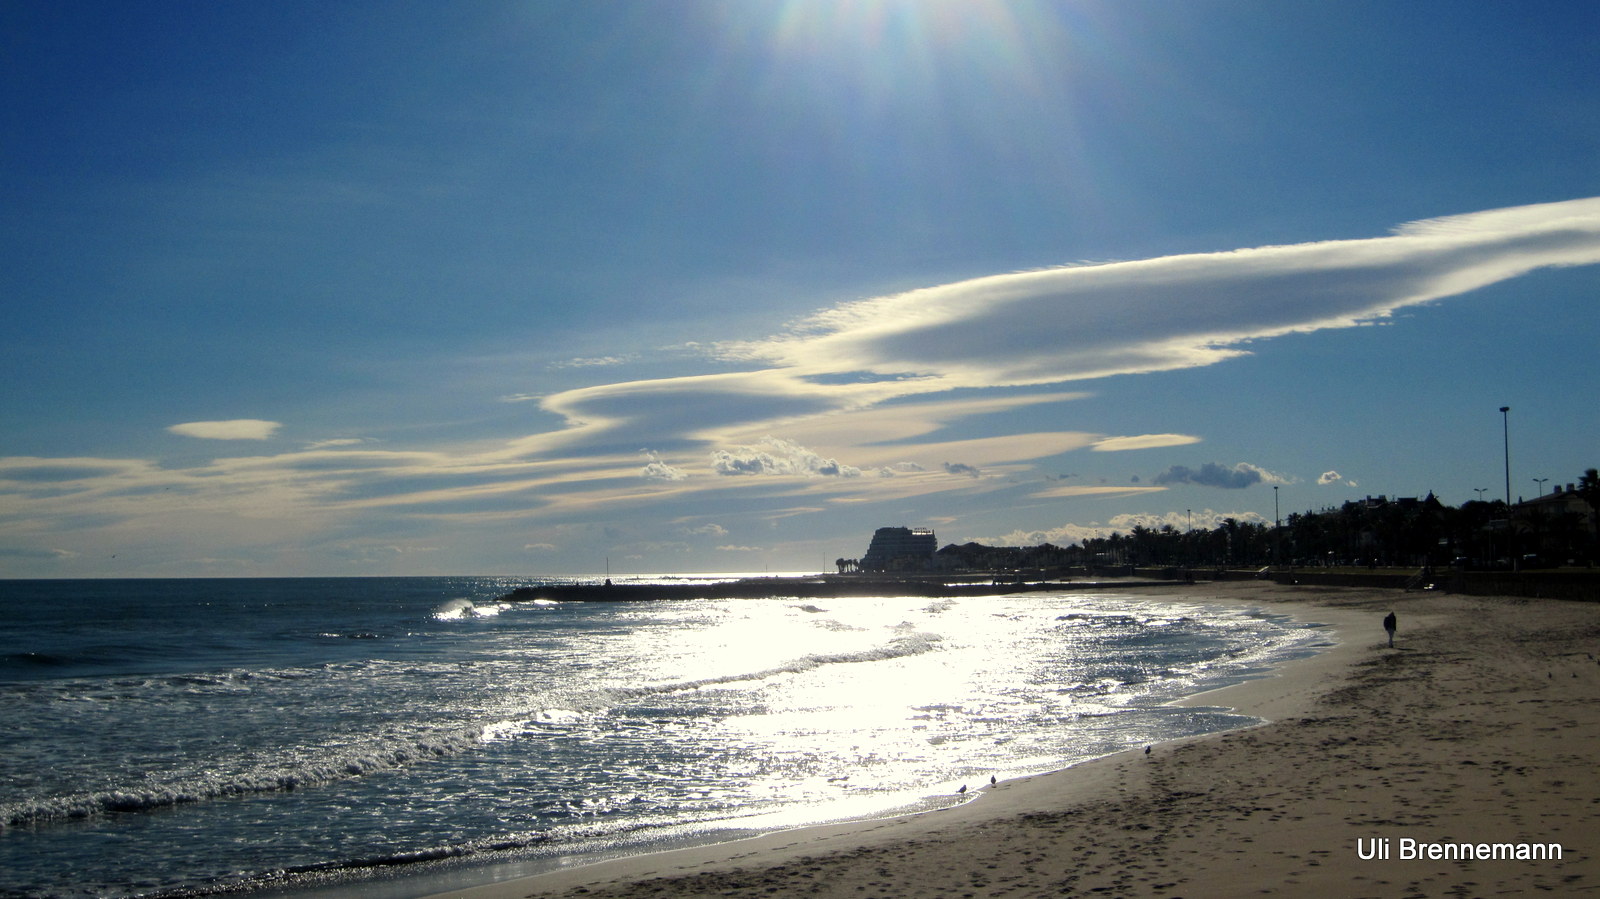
point(1511, 537)
point(1541, 483)
point(1277, 524)
point(1505, 417)
point(1481, 492)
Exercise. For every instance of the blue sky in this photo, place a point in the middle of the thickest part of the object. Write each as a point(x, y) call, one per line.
point(527, 287)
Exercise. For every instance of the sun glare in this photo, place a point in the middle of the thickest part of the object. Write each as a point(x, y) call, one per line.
point(894, 45)
point(906, 91)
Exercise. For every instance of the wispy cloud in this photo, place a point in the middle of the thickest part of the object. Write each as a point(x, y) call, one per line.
point(1102, 490)
point(25, 552)
point(234, 429)
point(1142, 441)
point(592, 362)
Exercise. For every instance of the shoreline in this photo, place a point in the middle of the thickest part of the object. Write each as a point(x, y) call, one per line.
point(1464, 733)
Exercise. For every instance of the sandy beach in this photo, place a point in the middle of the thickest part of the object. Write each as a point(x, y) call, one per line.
point(1477, 728)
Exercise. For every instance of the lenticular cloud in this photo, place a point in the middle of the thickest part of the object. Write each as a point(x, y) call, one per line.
point(1086, 321)
point(233, 429)
point(1175, 312)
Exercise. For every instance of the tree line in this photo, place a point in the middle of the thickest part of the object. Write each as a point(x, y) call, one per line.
point(1370, 532)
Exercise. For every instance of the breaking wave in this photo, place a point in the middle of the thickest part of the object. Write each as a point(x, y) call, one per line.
point(345, 762)
point(286, 778)
point(461, 609)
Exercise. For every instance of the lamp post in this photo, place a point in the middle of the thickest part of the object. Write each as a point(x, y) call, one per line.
point(1511, 543)
point(1505, 418)
point(1481, 492)
point(1277, 525)
point(1541, 483)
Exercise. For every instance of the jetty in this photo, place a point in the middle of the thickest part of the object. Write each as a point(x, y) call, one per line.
point(822, 587)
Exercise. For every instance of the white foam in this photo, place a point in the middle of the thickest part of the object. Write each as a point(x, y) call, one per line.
point(459, 609)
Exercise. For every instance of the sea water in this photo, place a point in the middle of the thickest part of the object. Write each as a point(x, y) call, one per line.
point(405, 735)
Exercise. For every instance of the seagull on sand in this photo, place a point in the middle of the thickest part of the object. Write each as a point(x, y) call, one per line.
point(992, 781)
point(1147, 750)
point(963, 789)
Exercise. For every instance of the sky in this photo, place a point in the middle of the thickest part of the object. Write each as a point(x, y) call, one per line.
point(548, 287)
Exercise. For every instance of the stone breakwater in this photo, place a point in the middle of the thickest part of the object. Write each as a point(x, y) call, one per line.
point(804, 588)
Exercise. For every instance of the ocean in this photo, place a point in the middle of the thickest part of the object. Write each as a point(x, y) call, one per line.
point(393, 737)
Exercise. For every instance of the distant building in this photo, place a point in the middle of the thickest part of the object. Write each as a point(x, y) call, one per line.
point(900, 549)
point(1556, 526)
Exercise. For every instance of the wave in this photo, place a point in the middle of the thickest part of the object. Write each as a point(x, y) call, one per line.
point(313, 772)
point(574, 838)
point(26, 660)
point(322, 876)
point(52, 664)
point(335, 764)
point(461, 609)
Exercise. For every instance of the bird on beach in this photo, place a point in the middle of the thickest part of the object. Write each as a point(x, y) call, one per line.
point(1147, 750)
point(992, 781)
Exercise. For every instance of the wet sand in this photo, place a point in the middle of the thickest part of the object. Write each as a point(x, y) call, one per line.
point(1479, 727)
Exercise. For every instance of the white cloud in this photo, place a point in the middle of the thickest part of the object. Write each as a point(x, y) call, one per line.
point(234, 429)
point(1329, 478)
point(657, 470)
point(1199, 519)
point(776, 456)
point(1211, 474)
point(1142, 441)
point(898, 468)
point(1092, 321)
point(28, 552)
point(592, 362)
point(1063, 535)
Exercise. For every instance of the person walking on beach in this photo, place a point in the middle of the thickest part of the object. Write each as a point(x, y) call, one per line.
point(1388, 625)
